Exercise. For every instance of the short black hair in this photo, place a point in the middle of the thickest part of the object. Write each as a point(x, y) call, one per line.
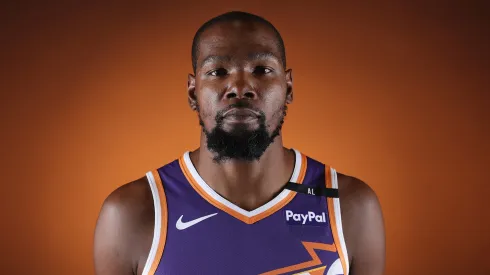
point(232, 16)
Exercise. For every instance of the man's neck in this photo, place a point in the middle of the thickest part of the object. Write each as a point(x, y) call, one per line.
point(248, 185)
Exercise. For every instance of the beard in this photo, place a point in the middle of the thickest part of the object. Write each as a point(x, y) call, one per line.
point(241, 143)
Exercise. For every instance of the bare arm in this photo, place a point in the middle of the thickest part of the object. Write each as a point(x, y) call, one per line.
point(364, 227)
point(121, 239)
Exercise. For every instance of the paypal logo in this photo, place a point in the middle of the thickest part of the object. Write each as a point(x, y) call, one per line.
point(304, 218)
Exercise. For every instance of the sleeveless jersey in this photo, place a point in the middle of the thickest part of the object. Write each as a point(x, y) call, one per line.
point(197, 231)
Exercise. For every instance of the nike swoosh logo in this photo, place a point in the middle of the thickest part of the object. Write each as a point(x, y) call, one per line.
point(183, 225)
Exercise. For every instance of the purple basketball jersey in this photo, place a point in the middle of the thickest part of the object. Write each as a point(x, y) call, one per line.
point(199, 232)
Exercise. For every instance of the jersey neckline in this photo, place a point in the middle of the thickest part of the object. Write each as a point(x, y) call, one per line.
point(249, 217)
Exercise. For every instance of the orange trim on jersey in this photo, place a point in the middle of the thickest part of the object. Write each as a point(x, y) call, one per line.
point(164, 221)
point(316, 271)
point(315, 260)
point(333, 218)
point(245, 219)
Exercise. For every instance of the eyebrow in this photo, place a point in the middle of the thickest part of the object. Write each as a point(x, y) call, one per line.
point(251, 56)
point(214, 58)
point(263, 55)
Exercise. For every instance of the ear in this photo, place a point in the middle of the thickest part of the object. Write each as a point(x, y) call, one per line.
point(289, 86)
point(191, 91)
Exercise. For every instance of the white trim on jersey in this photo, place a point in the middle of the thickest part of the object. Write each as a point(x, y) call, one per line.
point(338, 219)
point(263, 208)
point(158, 223)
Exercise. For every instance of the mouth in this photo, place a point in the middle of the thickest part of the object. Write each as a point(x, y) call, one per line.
point(241, 115)
point(241, 112)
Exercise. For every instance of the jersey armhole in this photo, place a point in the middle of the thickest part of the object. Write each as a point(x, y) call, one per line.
point(160, 227)
point(336, 218)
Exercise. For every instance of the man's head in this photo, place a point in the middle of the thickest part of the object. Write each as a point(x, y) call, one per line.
point(240, 85)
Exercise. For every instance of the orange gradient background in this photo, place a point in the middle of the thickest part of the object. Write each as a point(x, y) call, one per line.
point(94, 96)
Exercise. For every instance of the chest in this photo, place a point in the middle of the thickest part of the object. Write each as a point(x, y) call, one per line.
point(203, 239)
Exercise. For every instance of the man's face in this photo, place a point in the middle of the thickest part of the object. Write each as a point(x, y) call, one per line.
point(240, 89)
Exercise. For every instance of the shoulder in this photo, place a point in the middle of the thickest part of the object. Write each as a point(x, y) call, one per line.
point(124, 228)
point(132, 198)
point(363, 225)
point(355, 194)
point(130, 204)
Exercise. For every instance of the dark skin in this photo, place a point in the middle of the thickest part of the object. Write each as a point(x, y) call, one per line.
point(245, 66)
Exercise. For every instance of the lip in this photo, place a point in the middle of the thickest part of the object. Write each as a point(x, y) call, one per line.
point(241, 112)
point(240, 120)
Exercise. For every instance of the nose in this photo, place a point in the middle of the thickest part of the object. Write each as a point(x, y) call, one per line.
point(240, 88)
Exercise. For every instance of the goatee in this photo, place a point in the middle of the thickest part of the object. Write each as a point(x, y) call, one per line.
point(241, 143)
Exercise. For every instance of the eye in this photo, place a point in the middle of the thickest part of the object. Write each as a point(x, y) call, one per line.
point(261, 70)
point(219, 72)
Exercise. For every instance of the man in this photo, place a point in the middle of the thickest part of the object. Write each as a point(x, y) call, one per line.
point(241, 203)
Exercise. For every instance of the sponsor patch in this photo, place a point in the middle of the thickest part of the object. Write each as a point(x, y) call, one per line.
point(306, 218)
